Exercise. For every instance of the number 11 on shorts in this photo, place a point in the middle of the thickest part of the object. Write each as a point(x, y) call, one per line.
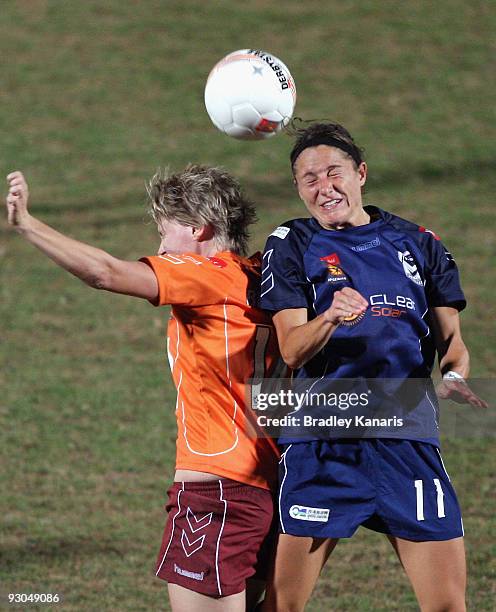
point(419, 486)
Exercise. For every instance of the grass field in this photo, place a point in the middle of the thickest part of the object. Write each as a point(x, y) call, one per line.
point(94, 97)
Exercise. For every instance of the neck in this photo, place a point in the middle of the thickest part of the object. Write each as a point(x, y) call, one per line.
point(209, 248)
point(361, 218)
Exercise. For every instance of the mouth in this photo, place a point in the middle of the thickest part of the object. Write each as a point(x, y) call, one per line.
point(331, 204)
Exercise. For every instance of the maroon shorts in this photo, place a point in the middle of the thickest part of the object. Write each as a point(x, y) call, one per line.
point(218, 534)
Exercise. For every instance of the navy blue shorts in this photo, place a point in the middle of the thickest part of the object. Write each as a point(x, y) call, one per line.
point(398, 487)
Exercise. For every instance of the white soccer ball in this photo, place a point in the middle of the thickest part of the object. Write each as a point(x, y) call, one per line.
point(250, 94)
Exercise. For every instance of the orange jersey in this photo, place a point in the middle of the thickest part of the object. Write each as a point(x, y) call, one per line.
point(216, 341)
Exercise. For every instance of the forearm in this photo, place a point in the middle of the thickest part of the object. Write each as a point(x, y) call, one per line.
point(456, 358)
point(452, 352)
point(303, 342)
point(300, 339)
point(90, 264)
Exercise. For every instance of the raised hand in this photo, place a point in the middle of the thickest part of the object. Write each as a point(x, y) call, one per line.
point(17, 199)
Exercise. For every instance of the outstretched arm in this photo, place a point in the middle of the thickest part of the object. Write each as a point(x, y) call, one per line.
point(94, 266)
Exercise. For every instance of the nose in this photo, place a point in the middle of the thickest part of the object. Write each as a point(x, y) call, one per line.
point(326, 186)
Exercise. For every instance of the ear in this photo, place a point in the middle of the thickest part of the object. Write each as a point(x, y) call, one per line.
point(362, 171)
point(295, 185)
point(203, 233)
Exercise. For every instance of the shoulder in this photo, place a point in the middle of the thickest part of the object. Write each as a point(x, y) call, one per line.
point(425, 238)
point(201, 268)
point(294, 235)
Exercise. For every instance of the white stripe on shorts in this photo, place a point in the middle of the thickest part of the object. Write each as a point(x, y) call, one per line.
point(218, 539)
point(282, 485)
point(442, 463)
point(172, 531)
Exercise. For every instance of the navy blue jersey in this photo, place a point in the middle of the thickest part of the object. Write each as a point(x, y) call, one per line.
point(401, 269)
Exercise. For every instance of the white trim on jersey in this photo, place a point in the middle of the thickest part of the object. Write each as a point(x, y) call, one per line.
point(268, 255)
point(433, 408)
point(228, 373)
point(314, 294)
point(427, 333)
point(218, 539)
point(173, 360)
point(310, 388)
point(227, 343)
point(172, 530)
point(178, 388)
point(236, 435)
point(170, 356)
point(191, 450)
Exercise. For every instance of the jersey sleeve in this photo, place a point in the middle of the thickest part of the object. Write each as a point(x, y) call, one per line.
point(442, 278)
point(284, 284)
point(189, 280)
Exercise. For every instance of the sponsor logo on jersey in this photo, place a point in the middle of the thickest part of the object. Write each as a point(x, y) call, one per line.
point(336, 274)
point(428, 231)
point(305, 513)
point(281, 232)
point(382, 305)
point(410, 267)
point(365, 246)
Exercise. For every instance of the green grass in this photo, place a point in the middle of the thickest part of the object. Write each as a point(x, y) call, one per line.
point(94, 97)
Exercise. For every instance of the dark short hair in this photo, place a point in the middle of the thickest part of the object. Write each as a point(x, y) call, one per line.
point(201, 195)
point(331, 134)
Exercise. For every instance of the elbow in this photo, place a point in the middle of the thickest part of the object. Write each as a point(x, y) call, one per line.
point(97, 282)
point(293, 364)
point(292, 360)
point(99, 279)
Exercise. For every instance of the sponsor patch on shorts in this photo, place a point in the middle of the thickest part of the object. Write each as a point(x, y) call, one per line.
point(305, 513)
point(281, 232)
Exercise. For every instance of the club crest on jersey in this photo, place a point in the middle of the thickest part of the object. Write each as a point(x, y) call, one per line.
point(410, 267)
point(336, 274)
point(352, 320)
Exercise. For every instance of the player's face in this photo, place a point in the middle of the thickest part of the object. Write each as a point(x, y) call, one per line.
point(330, 185)
point(176, 238)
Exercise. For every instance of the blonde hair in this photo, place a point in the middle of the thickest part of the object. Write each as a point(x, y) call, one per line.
point(202, 195)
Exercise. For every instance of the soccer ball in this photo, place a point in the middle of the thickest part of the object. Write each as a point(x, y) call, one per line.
point(250, 94)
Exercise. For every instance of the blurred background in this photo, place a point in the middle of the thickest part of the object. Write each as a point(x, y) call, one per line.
point(94, 97)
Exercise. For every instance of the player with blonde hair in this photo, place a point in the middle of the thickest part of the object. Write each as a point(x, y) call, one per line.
point(215, 547)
